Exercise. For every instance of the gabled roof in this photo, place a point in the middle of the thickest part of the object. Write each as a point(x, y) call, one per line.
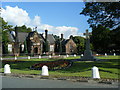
point(41, 36)
point(51, 39)
point(22, 36)
point(10, 37)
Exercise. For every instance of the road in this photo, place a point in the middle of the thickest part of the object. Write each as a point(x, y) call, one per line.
point(13, 82)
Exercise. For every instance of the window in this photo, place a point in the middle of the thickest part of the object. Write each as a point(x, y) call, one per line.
point(10, 47)
point(51, 47)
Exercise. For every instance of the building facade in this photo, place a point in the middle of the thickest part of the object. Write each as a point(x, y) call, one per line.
point(33, 43)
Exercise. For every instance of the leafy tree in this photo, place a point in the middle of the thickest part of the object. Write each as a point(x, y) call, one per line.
point(80, 43)
point(115, 40)
point(101, 39)
point(5, 29)
point(105, 13)
point(24, 29)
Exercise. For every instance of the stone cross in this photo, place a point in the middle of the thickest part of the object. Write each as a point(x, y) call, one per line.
point(87, 34)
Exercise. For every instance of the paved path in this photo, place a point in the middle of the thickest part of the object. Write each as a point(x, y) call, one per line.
point(13, 82)
point(12, 58)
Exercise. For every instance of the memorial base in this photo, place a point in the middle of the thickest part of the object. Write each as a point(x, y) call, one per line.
point(88, 56)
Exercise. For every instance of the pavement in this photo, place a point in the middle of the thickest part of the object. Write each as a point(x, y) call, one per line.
point(15, 82)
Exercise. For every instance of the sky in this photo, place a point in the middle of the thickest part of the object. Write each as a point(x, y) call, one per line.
point(56, 17)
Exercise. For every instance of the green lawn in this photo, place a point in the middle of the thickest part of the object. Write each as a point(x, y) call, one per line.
point(108, 69)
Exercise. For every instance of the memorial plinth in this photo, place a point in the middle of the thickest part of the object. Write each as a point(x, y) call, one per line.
point(88, 53)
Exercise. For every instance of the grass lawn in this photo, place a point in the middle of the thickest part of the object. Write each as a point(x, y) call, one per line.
point(108, 69)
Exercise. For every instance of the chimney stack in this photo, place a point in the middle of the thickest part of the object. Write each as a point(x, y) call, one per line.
point(61, 36)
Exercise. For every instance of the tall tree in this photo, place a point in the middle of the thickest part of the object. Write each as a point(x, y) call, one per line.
point(5, 29)
point(101, 39)
point(105, 13)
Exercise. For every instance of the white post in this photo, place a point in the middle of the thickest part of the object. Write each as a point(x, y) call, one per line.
point(81, 55)
point(45, 71)
point(1, 58)
point(95, 72)
point(49, 56)
point(15, 58)
point(39, 57)
point(105, 54)
point(28, 57)
point(74, 55)
point(67, 55)
point(114, 54)
point(7, 69)
point(97, 54)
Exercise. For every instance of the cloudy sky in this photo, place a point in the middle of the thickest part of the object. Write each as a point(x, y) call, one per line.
point(57, 17)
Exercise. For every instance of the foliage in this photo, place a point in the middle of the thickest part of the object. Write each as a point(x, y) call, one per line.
point(5, 30)
point(46, 46)
point(24, 29)
point(80, 41)
point(115, 40)
point(104, 13)
point(101, 39)
point(104, 16)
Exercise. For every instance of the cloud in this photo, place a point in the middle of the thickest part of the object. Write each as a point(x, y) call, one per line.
point(15, 16)
point(18, 16)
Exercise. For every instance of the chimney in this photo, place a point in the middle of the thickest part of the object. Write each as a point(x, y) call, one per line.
point(46, 33)
point(61, 36)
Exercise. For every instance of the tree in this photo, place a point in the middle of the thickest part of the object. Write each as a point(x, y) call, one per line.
point(5, 29)
point(80, 41)
point(24, 29)
point(101, 39)
point(105, 13)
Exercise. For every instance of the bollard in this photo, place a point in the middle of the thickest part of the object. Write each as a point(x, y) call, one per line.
point(39, 57)
point(114, 54)
point(97, 54)
point(7, 69)
point(105, 54)
point(1, 58)
point(45, 71)
point(49, 56)
point(81, 55)
point(74, 55)
point(95, 73)
point(15, 58)
point(28, 57)
point(67, 55)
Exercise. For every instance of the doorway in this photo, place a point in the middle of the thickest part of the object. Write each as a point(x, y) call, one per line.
point(35, 50)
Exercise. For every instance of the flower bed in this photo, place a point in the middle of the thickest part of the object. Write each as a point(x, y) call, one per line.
point(52, 65)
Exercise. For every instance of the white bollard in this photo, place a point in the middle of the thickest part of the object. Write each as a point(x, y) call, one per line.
point(15, 58)
point(95, 72)
point(39, 57)
point(7, 69)
point(45, 71)
point(105, 54)
point(74, 55)
point(97, 54)
point(1, 58)
point(50, 56)
point(28, 57)
point(114, 54)
point(67, 55)
point(81, 55)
